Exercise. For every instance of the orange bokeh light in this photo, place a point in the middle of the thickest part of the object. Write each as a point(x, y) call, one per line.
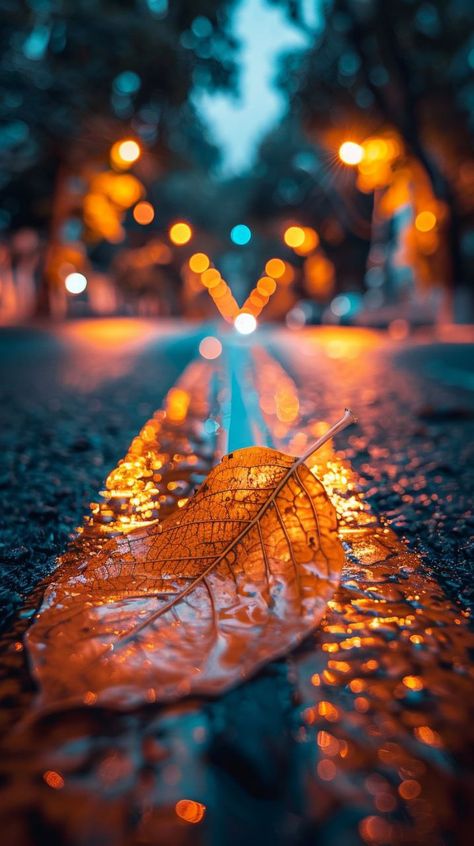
point(220, 290)
point(122, 188)
point(190, 811)
point(144, 213)
point(425, 221)
point(180, 233)
point(199, 262)
point(53, 779)
point(211, 278)
point(275, 268)
point(310, 242)
point(266, 286)
point(177, 404)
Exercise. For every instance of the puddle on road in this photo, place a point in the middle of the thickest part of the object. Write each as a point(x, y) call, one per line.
point(372, 741)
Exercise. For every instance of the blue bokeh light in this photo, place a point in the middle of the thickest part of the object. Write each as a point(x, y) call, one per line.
point(240, 234)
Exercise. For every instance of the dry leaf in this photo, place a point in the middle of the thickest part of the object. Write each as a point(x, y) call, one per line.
point(234, 579)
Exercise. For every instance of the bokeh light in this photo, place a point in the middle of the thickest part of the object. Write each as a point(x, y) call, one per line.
point(351, 153)
point(180, 233)
point(240, 234)
point(144, 213)
point(177, 404)
point(266, 285)
point(341, 305)
point(275, 268)
point(124, 153)
point(425, 221)
point(319, 276)
point(211, 278)
point(210, 347)
point(199, 262)
point(294, 236)
point(190, 811)
point(245, 323)
point(122, 188)
point(309, 243)
point(75, 283)
point(53, 779)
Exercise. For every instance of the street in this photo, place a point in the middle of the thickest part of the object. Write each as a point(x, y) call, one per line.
point(73, 400)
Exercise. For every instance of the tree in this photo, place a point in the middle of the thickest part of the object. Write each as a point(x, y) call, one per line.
point(74, 78)
point(403, 66)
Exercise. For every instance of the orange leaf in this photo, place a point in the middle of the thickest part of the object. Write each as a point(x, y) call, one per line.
point(234, 579)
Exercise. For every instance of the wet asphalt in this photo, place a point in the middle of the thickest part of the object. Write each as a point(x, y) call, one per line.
point(72, 398)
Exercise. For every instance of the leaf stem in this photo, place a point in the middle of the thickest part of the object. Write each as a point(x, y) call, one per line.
point(346, 420)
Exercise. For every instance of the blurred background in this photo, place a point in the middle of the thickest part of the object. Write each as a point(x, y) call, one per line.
point(302, 161)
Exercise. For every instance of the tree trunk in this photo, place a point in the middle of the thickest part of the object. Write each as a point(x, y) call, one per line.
point(44, 298)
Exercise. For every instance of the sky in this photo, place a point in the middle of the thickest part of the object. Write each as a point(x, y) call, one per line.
point(237, 125)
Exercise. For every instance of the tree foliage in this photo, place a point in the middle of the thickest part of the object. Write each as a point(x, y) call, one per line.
point(405, 65)
point(74, 74)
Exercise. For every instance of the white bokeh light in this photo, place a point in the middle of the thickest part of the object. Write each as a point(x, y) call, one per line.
point(75, 283)
point(245, 323)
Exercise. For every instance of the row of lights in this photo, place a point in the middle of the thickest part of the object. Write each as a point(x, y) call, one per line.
point(245, 318)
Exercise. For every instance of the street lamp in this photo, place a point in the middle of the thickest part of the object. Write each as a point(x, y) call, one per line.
point(351, 153)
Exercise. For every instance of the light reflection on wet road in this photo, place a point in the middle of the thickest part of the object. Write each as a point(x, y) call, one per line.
point(361, 736)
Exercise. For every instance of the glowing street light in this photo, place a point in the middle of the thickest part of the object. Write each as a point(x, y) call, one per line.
point(245, 323)
point(75, 283)
point(351, 153)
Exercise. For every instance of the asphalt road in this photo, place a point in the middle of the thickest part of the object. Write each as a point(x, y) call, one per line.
point(73, 397)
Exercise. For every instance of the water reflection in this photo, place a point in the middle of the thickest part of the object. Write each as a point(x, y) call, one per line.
point(170, 456)
point(382, 712)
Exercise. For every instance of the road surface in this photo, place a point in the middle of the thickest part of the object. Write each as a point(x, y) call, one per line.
point(72, 401)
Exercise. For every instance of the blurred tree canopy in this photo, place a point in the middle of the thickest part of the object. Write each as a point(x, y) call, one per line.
point(295, 184)
point(78, 77)
point(76, 74)
point(406, 66)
